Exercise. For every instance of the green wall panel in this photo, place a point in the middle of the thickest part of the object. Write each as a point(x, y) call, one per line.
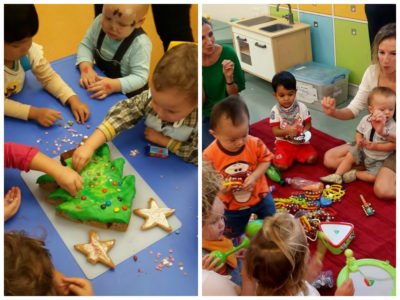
point(283, 11)
point(352, 50)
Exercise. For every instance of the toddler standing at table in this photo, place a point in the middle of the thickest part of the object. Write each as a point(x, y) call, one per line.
point(169, 108)
point(242, 161)
point(29, 271)
point(289, 118)
point(20, 25)
point(121, 49)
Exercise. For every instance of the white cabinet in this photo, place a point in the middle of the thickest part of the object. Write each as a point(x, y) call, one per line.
point(255, 54)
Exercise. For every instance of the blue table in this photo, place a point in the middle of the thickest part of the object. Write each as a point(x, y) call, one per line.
point(174, 180)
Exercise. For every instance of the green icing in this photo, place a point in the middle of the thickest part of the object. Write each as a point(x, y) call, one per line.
point(45, 178)
point(100, 174)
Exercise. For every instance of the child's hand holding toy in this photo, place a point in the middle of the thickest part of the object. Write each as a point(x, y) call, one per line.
point(209, 263)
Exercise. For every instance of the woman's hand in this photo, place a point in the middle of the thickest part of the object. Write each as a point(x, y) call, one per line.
point(12, 201)
point(209, 264)
point(329, 105)
point(227, 68)
point(79, 109)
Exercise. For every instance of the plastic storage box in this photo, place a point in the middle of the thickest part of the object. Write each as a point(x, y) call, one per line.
point(315, 81)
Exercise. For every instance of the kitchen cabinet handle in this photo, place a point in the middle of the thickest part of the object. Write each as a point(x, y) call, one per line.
point(240, 39)
point(260, 46)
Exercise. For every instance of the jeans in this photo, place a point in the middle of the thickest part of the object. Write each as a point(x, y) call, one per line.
point(236, 220)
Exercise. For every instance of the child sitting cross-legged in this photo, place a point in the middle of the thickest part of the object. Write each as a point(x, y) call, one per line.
point(371, 148)
point(276, 262)
point(213, 225)
point(289, 119)
point(169, 108)
point(241, 160)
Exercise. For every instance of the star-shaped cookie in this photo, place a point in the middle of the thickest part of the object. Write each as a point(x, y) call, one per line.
point(96, 250)
point(155, 216)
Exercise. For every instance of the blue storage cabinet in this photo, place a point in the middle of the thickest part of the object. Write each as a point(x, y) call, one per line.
point(322, 38)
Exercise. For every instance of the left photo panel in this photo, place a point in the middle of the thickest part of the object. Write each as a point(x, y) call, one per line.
point(101, 149)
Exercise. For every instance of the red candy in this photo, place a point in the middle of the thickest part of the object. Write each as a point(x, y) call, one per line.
point(124, 207)
point(104, 190)
point(78, 207)
point(83, 197)
point(115, 183)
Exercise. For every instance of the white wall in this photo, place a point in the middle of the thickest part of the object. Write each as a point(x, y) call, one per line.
point(224, 13)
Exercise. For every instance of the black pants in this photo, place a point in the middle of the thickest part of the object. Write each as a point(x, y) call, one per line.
point(379, 15)
point(172, 22)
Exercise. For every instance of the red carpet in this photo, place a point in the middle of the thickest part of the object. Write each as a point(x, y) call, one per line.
point(375, 235)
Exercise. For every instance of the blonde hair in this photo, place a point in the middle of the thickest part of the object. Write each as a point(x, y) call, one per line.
point(386, 32)
point(277, 256)
point(177, 69)
point(28, 270)
point(380, 90)
point(210, 187)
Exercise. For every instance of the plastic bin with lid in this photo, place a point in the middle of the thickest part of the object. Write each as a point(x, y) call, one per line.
point(315, 81)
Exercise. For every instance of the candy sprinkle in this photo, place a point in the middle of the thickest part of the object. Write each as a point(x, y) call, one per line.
point(135, 258)
point(151, 252)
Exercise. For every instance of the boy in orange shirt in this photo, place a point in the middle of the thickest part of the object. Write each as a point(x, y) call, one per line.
point(242, 161)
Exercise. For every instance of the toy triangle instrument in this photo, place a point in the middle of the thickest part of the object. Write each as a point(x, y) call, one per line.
point(336, 235)
point(371, 277)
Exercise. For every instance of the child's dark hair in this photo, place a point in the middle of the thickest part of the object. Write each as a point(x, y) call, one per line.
point(20, 21)
point(380, 90)
point(284, 78)
point(28, 270)
point(205, 21)
point(178, 69)
point(233, 107)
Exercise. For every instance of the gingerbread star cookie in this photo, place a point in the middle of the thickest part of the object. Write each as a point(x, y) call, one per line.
point(96, 250)
point(155, 216)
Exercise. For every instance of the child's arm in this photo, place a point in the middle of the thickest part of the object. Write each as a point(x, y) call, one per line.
point(209, 264)
point(103, 86)
point(360, 140)
point(251, 180)
point(380, 146)
point(307, 126)
point(278, 132)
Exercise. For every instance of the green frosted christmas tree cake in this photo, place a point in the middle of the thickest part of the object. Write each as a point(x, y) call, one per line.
point(105, 199)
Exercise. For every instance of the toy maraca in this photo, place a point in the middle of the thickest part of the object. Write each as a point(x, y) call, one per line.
point(253, 227)
point(224, 255)
point(275, 175)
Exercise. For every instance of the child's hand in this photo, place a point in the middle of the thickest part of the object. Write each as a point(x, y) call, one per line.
point(314, 267)
point(103, 87)
point(12, 201)
point(249, 183)
point(378, 120)
point(156, 137)
point(44, 116)
point(370, 146)
point(79, 286)
point(226, 188)
point(329, 105)
point(360, 142)
point(345, 289)
point(79, 109)
point(291, 131)
point(82, 155)
point(59, 284)
point(240, 254)
point(227, 68)
point(69, 180)
point(209, 264)
point(88, 74)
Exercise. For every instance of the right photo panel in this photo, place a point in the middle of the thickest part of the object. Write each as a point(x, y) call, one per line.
point(298, 149)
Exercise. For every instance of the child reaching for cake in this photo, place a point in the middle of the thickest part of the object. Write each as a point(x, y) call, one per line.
point(27, 158)
point(289, 119)
point(169, 108)
point(20, 25)
point(242, 161)
point(276, 262)
point(371, 148)
point(213, 225)
point(120, 48)
point(29, 271)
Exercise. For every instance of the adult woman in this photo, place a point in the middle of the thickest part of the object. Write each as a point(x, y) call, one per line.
point(222, 75)
point(381, 73)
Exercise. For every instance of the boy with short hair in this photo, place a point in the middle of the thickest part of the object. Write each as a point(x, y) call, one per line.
point(242, 161)
point(371, 149)
point(289, 119)
point(28, 270)
point(169, 107)
point(121, 49)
